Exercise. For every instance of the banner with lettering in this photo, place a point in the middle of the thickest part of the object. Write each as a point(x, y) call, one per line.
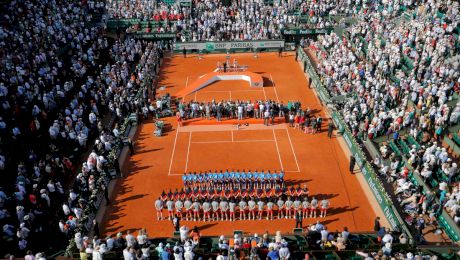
point(300, 32)
point(222, 46)
point(151, 35)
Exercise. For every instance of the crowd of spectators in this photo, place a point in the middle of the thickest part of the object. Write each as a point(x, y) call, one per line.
point(61, 79)
point(398, 75)
point(240, 20)
point(191, 245)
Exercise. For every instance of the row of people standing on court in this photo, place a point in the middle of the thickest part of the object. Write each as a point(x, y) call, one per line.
point(203, 194)
point(251, 207)
point(234, 180)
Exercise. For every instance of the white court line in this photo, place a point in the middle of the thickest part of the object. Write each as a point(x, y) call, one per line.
point(230, 93)
point(291, 171)
point(274, 87)
point(188, 150)
point(174, 149)
point(292, 147)
point(278, 150)
point(239, 141)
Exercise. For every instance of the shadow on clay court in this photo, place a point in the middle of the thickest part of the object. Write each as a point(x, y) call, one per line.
point(267, 82)
point(325, 196)
point(149, 150)
point(338, 210)
point(134, 197)
point(206, 226)
point(136, 169)
point(296, 182)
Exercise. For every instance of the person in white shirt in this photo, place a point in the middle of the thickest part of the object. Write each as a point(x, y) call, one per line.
point(183, 231)
point(284, 252)
point(130, 239)
point(128, 254)
point(387, 238)
point(324, 234)
point(109, 242)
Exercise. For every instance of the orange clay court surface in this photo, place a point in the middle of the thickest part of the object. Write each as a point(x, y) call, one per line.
point(200, 145)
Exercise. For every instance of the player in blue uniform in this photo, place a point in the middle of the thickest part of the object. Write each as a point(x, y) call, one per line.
point(214, 179)
point(281, 179)
point(268, 178)
point(226, 179)
point(184, 179)
point(195, 180)
point(237, 179)
point(255, 178)
point(220, 180)
point(232, 179)
point(250, 180)
point(261, 179)
point(243, 179)
point(275, 180)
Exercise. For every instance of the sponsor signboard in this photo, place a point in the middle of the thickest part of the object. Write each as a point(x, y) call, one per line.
point(212, 46)
point(298, 31)
point(155, 35)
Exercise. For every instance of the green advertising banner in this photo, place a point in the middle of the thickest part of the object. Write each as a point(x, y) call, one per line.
point(222, 46)
point(157, 36)
point(369, 174)
point(305, 32)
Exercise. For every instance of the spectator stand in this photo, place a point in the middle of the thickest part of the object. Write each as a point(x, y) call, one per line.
point(358, 153)
point(300, 245)
point(451, 229)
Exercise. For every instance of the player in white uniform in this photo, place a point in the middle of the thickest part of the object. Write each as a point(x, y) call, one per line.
point(324, 207)
point(270, 206)
point(170, 207)
point(206, 211)
point(188, 209)
point(305, 207)
point(260, 207)
point(288, 207)
point(232, 208)
point(196, 210)
point(280, 205)
point(223, 205)
point(159, 208)
point(252, 209)
point(215, 209)
point(242, 206)
point(297, 206)
point(313, 207)
point(179, 205)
